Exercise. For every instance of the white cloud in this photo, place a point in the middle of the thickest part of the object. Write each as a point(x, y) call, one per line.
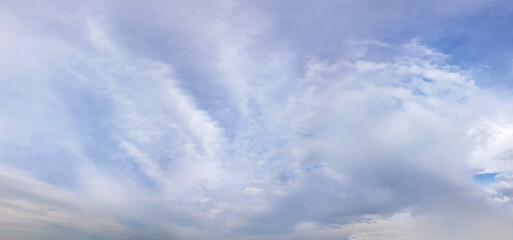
point(114, 141)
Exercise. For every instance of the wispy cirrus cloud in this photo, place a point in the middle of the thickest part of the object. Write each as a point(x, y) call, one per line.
point(191, 123)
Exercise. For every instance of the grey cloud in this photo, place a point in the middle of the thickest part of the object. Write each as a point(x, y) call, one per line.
point(184, 120)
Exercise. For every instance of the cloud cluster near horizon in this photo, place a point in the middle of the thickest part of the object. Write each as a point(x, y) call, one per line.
point(177, 120)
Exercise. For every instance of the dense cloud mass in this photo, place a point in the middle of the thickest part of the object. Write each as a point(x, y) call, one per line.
point(263, 120)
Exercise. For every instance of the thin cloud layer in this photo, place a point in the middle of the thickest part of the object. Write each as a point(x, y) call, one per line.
point(200, 121)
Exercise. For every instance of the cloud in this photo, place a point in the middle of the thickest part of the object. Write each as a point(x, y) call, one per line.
point(372, 138)
point(30, 206)
point(191, 123)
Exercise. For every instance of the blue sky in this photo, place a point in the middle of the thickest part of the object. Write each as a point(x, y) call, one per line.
point(256, 120)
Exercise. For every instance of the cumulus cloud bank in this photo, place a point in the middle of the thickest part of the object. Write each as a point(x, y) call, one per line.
point(231, 120)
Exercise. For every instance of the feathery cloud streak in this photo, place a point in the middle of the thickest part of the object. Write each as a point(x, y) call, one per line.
point(198, 123)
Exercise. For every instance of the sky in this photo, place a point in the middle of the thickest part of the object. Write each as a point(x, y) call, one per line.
point(280, 120)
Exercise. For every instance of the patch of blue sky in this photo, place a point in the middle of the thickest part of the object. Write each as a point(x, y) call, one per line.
point(477, 39)
point(484, 178)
